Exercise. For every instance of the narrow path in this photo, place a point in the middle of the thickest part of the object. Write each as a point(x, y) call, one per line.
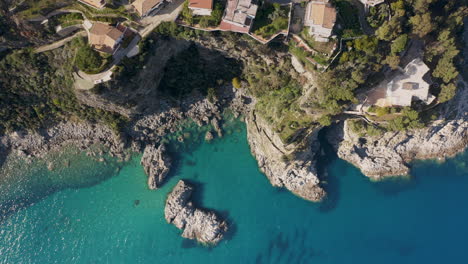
point(59, 43)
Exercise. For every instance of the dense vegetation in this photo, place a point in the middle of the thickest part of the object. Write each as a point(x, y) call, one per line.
point(270, 19)
point(437, 22)
point(86, 58)
point(37, 91)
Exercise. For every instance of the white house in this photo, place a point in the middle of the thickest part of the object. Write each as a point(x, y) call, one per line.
point(320, 17)
point(409, 85)
point(201, 7)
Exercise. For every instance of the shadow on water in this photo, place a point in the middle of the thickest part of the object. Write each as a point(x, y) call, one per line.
point(330, 182)
point(32, 187)
point(289, 248)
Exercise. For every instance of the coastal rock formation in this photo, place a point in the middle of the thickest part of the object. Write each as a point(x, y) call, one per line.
point(284, 165)
point(389, 154)
point(197, 224)
point(156, 163)
point(82, 135)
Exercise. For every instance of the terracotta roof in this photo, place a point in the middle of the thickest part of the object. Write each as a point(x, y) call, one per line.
point(144, 6)
point(104, 37)
point(323, 14)
point(205, 4)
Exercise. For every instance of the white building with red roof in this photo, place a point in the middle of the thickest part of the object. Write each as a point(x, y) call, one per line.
point(238, 16)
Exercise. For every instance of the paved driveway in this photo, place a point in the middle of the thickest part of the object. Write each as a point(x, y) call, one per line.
point(170, 12)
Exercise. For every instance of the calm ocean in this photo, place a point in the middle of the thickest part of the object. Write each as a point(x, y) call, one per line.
point(94, 213)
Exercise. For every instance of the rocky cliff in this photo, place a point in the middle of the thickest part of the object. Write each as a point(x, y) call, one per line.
point(156, 163)
point(285, 165)
point(390, 154)
point(197, 224)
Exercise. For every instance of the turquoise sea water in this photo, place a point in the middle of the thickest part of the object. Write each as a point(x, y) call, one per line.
point(418, 220)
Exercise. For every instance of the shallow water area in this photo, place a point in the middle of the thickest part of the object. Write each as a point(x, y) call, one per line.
point(118, 220)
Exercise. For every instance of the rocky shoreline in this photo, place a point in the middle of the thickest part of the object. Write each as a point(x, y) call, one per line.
point(204, 226)
point(83, 135)
point(284, 165)
point(391, 153)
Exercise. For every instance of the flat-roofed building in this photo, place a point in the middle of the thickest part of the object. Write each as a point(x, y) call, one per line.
point(201, 7)
point(94, 3)
point(106, 38)
point(238, 16)
point(145, 7)
point(320, 16)
point(410, 85)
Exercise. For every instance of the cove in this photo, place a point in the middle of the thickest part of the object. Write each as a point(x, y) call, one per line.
point(118, 220)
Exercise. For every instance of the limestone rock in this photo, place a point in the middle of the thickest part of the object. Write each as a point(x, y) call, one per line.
point(285, 166)
point(156, 163)
point(197, 224)
point(389, 154)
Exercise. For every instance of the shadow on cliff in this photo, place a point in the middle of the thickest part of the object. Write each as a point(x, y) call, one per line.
point(330, 182)
point(168, 73)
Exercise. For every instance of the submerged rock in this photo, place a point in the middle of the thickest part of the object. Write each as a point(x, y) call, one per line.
point(209, 136)
point(217, 127)
point(156, 163)
point(197, 224)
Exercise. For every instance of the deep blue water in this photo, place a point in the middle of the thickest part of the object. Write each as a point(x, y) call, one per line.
point(118, 220)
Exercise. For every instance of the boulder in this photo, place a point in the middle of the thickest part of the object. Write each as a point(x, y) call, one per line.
point(156, 163)
point(204, 226)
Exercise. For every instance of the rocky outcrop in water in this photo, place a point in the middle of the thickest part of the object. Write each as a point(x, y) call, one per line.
point(197, 224)
point(156, 163)
point(285, 165)
point(389, 154)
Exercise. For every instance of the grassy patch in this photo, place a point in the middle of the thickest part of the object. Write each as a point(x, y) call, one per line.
point(322, 47)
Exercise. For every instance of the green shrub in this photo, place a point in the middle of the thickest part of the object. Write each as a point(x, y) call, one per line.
point(236, 83)
point(325, 120)
point(447, 92)
point(399, 44)
point(88, 59)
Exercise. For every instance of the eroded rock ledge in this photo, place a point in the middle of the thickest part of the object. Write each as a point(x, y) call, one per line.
point(36, 144)
point(197, 224)
point(297, 173)
point(156, 163)
point(389, 154)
